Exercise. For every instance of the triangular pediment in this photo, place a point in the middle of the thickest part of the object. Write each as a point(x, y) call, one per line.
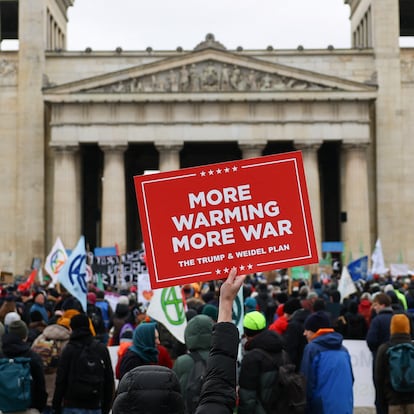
point(209, 70)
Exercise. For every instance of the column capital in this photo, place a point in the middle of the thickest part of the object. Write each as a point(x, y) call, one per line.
point(169, 145)
point(355, 145)
point(303, 145)
point(62, 147)
point(111, 147)
point(252, 145)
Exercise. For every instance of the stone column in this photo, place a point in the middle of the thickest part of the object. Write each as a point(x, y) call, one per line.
point(252, 149)
point(169, 159)
point(66, 195)
point(354, 199)
point(310, 164)
point(113, 197)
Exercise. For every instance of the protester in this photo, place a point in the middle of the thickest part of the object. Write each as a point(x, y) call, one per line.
point(39, 305)
point(390, 400)
point(259, 366)
point(327, 367)
point(84, 378)
point(49, 346)
point(143, 350)
point(155, 390)
point(293, 336)
point(15, 345)
point(198, 335)
point(379, 333)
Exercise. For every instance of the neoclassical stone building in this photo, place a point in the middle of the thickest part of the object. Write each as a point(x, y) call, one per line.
point(75, 127)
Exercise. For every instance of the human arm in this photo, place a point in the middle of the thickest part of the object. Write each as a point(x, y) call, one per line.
point(218, 394)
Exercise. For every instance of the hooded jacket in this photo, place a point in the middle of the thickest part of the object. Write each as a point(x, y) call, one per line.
point(327, 367)
point(386, 394)
point(61, 335)
point(197, 339)
point(81, 337)
point(14, 347)
point(259, 370)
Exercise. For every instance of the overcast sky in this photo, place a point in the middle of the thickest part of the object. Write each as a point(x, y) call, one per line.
point(166, 24)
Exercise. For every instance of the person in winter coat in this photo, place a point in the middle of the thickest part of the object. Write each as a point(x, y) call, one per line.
point(327, 367)
point(352, 325)
point(391, 401)
point(143, 350)
point(365, 307)
point(259, 366)
point(152, 389)
point(379, 332)
point(121, 316)
point(15, 345)
point(293, 336)
point(197, 339)
point(65, 399)
point(60, 335)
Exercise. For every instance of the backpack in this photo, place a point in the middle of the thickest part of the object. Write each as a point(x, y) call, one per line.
point(49, 351)
point(401, 362)
point(289, 389)
point(95, 314)
point(195, 381)
point(86, 376)
point(15, 384)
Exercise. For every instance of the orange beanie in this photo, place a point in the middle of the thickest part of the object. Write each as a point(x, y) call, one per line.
point(400, 324)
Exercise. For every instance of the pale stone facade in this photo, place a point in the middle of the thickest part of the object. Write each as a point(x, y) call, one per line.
point(124, 107)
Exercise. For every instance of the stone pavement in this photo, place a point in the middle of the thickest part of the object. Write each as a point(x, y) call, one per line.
point(364, 410)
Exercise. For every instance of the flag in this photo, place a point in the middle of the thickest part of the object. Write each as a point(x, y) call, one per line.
point(378, 265)
point(358, 269)
point(167, 307)
point(72, 275)
point(346, 285)
point(55, 259)
point(29, 282)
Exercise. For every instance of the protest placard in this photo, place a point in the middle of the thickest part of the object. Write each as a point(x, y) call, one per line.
point(199, 222)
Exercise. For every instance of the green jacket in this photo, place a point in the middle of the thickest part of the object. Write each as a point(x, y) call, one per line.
point(197, 338)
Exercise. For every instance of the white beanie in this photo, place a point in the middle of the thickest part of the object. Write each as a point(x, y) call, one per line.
point(123, 300)
point(11, 317)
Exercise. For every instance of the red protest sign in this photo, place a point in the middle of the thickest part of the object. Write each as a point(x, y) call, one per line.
point(199, 222)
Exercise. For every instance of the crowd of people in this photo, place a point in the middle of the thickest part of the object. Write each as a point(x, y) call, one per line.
point(301, 324)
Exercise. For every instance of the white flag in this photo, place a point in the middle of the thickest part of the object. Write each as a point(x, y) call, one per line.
point(55, 259)
point(346, 285)
point(167, 307)
point(378, 265)
point(238, 311)
point(72, 274)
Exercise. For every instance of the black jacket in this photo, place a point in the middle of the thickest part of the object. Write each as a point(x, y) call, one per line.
point(218, 394)
point(14, 347)
point(259, 371)
point(130, 361)
point(69, 354)
point(386, 394)
point(293, 336)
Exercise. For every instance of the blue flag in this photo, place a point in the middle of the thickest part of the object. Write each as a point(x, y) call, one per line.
point(358, 269)
point(72, 274)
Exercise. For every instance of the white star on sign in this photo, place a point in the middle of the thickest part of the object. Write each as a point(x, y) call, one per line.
point(211, 172)
point(203, 173)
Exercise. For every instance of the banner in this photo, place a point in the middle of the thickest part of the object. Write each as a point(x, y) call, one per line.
point(118, 271)
point(72, 275)
point(199, 222)
point(55, 259)
point(167, 307)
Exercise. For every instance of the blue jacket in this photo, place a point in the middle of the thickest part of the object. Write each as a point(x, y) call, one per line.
point(327, 367)
point(379, 330)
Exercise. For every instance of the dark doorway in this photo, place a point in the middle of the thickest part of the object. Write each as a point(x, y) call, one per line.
point(138, 158)
point(92, 169)
point(202, 153)
point(329, 170)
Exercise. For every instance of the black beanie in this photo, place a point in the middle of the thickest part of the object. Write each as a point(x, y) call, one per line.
point(79, 321)
point(316, 321)
point(291, 306)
